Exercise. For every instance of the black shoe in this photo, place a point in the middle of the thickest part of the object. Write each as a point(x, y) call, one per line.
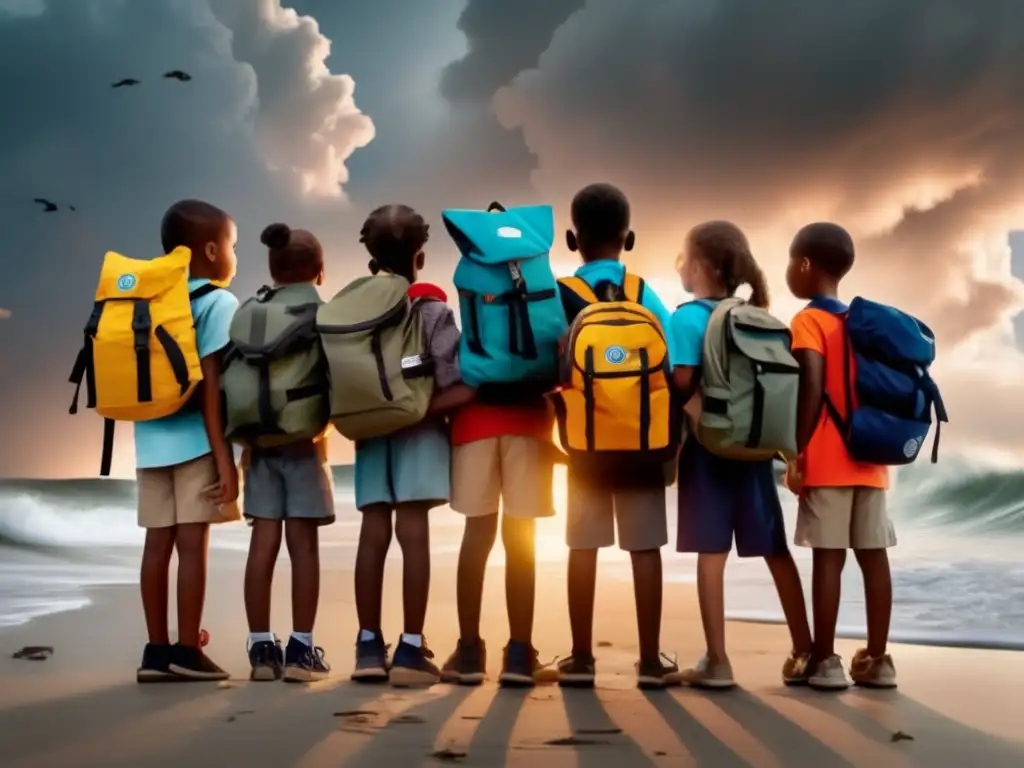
point(467, 665)
point(657, 673)
point(192, 664)
point(520, 665)
point(577, 672)
point(153, 668)
point(266, 659)
point(371, 660)
point(303, 663)
point(412, 666)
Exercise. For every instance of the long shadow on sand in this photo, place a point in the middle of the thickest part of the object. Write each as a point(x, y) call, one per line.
point(490, 741)
point(778, 734)
point(935, 739)
point(34, 729)
point(705, 747)
point(593, 728)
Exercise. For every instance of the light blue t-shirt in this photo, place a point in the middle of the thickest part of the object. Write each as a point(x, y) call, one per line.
point(689, 324)
point(181, 436)
point(615, 272)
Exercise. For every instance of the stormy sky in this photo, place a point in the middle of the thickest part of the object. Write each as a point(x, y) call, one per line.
point(900, 120)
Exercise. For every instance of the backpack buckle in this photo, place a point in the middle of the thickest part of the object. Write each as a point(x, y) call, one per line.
point(142, 324)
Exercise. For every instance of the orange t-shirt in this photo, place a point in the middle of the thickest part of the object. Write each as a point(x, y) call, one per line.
point(826, 460)
point(480, 421)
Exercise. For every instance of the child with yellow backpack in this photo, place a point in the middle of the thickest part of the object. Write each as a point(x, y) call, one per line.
point(615, 417)
point(152, 356)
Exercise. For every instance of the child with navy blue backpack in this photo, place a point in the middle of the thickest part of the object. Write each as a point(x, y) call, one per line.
point(722, 499)
point(842, 501)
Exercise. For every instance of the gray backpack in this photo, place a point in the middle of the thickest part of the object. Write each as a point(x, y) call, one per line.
point(274, 379)
point(380, 370)
point(749, 384)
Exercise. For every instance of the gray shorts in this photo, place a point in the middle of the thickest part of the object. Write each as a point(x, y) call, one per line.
point(852, 517)
point(593, 514)
point(289, 487)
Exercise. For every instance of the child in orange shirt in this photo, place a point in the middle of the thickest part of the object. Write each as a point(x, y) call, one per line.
point(842, 502)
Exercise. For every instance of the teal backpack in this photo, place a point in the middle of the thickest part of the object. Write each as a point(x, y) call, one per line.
point(512, 315)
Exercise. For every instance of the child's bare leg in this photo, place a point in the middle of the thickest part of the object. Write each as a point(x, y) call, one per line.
point(154, 582)
point(791, 595)
point(303, 540)
point(413, 533)
point(826, 589)
point(264, 546)
point(374, 541)
point(582, 583)
point(874, 564)
point(647, 590)
point(477, 542)
point(711, 595)
point(192, 542)
point(520, 576)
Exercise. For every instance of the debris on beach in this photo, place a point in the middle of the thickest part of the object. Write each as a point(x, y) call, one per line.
point(406, 720)
point(900, 736)
point(603, 644)
point(448, 755)
point(33, 653)
point(572, 741)
point(598, 731)
point(363, 713)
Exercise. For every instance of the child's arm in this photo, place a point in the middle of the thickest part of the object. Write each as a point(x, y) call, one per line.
point(443, 342)
point(213, 419)
point(686, 353)
point(809, 351)
point(213, 328)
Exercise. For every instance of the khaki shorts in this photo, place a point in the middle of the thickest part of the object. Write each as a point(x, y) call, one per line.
point(594, 514)
point(175, 495)
point(844, 518)
point(511, 471)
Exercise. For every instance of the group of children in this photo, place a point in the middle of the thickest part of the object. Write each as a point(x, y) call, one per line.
point(481, 454)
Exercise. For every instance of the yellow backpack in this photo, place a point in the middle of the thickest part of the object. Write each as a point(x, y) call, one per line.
point(139, 359)
point(616, 411)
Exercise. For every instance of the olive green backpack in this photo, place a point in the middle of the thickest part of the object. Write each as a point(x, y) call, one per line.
point(380, 370)
point(749, 384)
point(275, 377)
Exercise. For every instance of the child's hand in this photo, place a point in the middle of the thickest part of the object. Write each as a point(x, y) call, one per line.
point(226, 490)
point(794, 477)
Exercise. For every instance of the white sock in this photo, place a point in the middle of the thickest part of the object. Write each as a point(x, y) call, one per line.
point(414, 640)
point(260, 637)
point(366, 635)
point(304, 637)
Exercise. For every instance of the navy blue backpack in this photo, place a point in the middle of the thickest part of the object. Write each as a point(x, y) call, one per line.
point(890, 353)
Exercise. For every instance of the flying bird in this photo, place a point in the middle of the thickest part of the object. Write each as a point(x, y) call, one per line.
point(48, 207)
point(72, 208)
point(177, 74)
point(126, 81)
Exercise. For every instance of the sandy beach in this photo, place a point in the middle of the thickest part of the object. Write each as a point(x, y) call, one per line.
point(82, 707)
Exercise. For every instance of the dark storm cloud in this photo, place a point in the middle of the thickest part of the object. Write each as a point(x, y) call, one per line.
point(757, 110)
point(504, 39)
point(248, 137)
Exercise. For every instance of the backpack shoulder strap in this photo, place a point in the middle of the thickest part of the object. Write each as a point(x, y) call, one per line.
point(702, 304)
point(633, 287)
point(202, 290)
point(580, 287)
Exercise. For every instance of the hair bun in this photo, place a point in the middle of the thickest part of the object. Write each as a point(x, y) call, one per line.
point(276, 236)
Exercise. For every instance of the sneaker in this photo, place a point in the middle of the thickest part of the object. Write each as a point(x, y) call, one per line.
point(657, 673)
point(577, 672)
point(153, 668)
point(266, 659)
point(467, 665)
point(412, 666)
point(829, 675)
point(192, 664)
point(303, 663)
point(371, 660)
point(796, 669)
point(873, 672)
point(519, 666)
point(708, 674)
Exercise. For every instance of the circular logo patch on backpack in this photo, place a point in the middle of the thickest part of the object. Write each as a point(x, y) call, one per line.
point(615, 355)
point(912, 446)
point(126, 282)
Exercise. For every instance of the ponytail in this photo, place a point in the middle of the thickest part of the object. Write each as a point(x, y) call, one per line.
point(723, 247)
